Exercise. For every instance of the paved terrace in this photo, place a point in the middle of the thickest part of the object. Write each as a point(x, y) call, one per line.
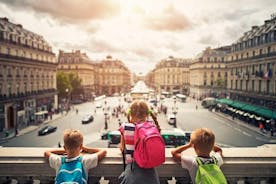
point(242, 165)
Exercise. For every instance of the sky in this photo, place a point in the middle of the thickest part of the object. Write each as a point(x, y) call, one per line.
point(138, 32)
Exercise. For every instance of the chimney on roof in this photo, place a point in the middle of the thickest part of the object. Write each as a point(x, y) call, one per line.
point(254, 27)
point(5, 19)
point(19, 25)
point(267, 21)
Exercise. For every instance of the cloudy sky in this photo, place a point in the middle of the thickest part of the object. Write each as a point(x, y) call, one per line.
point(138, 32)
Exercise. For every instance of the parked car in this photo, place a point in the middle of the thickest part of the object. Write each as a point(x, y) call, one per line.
point(87, 119)
point(47, 129)
point(171, 119)
point(113, 137)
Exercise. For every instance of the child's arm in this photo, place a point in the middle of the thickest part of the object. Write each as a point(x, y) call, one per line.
point(100, 152)
point(217, 149)
point(60, 151)
point(176, 153)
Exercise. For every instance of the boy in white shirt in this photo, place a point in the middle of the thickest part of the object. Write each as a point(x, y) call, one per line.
point(203, 142)
point(71, 155)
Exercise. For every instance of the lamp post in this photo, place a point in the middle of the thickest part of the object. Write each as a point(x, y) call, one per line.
point(174, 112)
point(105, 116)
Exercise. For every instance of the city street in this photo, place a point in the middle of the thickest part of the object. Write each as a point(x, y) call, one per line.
point(228, 133)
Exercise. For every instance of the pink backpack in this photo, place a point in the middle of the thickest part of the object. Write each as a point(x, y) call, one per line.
point(149, 149)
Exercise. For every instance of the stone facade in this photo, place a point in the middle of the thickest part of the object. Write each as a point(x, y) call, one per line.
point(112, 76)
point(106, 77)
point(208, 73)
point(80, 64)
point(252, 66)
point(171, 75)
point(27, 76)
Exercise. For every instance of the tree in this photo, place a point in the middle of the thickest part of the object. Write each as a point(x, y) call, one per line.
point(68, 84)
point(63, 83)
point(75, 82)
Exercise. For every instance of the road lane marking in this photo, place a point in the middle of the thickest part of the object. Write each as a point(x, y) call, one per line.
point(245, 133)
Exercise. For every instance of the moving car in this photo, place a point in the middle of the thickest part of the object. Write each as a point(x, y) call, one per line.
point(47, 129)
point(87, 119)
point(171, 119)
point(99, 105)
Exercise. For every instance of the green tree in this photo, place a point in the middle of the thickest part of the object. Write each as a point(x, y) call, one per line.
point(63, 84)
point(75, 82)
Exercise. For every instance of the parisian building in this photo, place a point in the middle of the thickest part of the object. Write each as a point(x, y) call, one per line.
point(79, 63)
point(208, 73)
point(112, 76)
point(252, 66)
point(104, 77)
point(171, 75)
point(27, 77)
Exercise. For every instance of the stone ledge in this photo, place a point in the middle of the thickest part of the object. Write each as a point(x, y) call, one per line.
point(257, 162)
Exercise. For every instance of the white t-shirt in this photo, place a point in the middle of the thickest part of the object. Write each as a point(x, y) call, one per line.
point(88, 161)
point(190, 163)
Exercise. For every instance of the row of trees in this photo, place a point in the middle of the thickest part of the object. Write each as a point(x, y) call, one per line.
point(68, 84)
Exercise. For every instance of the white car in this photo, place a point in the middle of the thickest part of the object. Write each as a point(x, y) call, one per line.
point(99, 105)
point(171, 119)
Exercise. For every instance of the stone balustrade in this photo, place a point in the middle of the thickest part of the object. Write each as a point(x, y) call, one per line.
point(241, 165)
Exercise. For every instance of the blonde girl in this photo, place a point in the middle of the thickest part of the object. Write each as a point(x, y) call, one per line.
point(138, 112)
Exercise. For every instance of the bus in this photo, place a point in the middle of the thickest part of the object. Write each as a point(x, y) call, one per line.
point(181, 98)
point(166, 94)
point(208, 102)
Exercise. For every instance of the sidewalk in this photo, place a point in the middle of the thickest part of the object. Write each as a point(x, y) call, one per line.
point(27, 129)
point(248, 126)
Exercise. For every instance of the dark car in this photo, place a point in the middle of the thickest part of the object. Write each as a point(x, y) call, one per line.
point(113, 137)
point(47, 129)
point(87, 119)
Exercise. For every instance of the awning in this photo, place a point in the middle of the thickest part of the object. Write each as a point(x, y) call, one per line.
point(267, 113)
point(258, 110)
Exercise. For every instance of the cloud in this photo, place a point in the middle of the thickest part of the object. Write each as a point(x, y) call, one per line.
point(169, 20)
point(69, 11)
point(208, 40)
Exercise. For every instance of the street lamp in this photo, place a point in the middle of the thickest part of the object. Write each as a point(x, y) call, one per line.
point(174, 108)
point(105, 116)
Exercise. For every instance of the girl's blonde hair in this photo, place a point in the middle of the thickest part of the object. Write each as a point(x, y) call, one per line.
point(73, 139)
point(140, 110)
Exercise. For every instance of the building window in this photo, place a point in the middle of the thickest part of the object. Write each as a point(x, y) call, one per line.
point(253, 85)
point(240, 84)
point(260, 86)
point(9, 89)
point(8, 51)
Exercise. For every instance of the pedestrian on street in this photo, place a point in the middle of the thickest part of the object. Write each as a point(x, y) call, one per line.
point(272, 126)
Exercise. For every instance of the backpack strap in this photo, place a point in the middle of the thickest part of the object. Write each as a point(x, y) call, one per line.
point(199, 162)
point(215, 160)
point(63, 160)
